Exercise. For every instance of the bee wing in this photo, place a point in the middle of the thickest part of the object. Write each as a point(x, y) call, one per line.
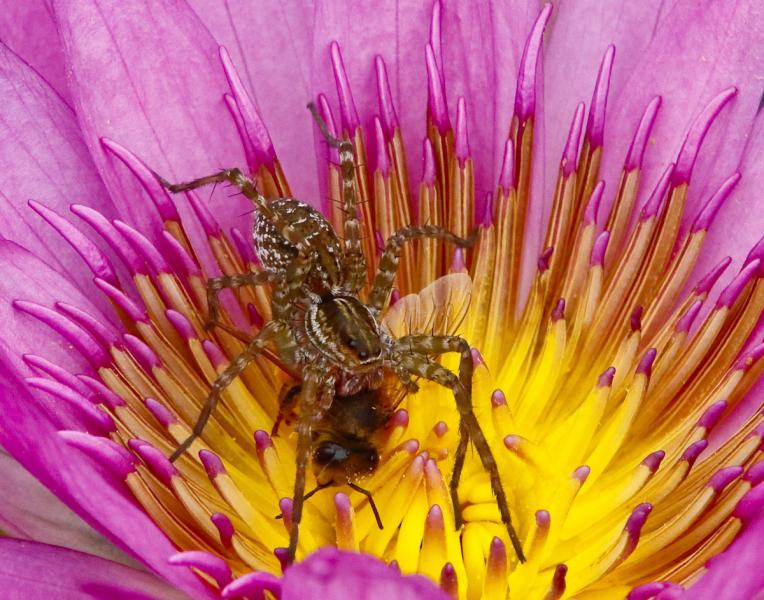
point(439, 309)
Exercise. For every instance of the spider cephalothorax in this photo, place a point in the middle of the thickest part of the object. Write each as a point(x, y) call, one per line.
point(339, 352)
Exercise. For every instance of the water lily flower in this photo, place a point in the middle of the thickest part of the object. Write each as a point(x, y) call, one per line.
point(610, 156)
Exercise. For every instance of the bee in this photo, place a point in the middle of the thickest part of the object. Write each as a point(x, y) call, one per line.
point(347, 440)
point(340, 351)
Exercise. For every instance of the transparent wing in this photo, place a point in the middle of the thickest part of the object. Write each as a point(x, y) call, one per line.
point(439, 309)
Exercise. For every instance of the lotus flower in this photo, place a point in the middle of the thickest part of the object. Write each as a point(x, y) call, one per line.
point(610, 155)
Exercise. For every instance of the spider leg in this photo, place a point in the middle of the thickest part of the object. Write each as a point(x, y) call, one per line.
point(233, 176)
point(414, 351)
point(355, 261)
point(230, 330)
point(388, 262)
point(290, 231)
point(231, 372)
point(315, 385)
point(285, 294)
point(216, 284)
point(453, 486)
point(286, 359)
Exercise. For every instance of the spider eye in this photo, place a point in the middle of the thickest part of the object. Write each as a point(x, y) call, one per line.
point(354, 344)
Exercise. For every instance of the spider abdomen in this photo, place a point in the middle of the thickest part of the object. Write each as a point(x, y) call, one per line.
point(276, 253)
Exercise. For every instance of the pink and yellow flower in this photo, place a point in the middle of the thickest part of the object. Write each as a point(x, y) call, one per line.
point(610, 156)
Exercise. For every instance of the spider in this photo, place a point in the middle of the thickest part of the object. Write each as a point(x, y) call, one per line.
point(340, 351)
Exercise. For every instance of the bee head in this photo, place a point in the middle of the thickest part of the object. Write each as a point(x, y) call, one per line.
point(338, 462)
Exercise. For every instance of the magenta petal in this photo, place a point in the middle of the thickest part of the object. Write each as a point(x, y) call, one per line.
point(45, 159)
point(92, 493)
point(697, 50)
point(275, 66)
point(480, 61)
point(25, 278)
point(29, 511)
point(741, 218)
point(331, 574)
point(348, 23)
point(579, 37)
point(29, 30)
point(477, 51)
point(686, 53)
point(31, 419)
point(147, 75)
point(736, 572)
point(32, 571)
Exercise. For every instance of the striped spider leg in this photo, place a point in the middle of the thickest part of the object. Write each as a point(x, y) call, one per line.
point(415, 351)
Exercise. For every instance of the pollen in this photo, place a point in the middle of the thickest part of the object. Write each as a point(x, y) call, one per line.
point(603, 363)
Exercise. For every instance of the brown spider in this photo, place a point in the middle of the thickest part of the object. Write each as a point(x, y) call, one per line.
point(340, 349)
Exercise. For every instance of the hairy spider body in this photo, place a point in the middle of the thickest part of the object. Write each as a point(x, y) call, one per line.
point(340, 351)
point(276, 253)
point(345, 332)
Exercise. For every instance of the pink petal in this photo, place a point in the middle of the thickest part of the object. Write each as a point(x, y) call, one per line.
point(147, 75)
point(29, 427)
point(736, 572)
point(32, 571)
point(579, 37)
point(23, 277)
point(28, 29)
point(29, 511)
point(740, 223)
point(275, 67)
point(331, 574)
point(479, 55)
point(698, 50)
point(687, 52)
point(44, 158)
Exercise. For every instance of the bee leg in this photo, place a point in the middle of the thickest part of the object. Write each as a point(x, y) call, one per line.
point(288, 397)
point(388, 262)
point(372, 504)
point(231, 372)
point(355, 262)
point(309, 495)
point(314, 387)
point(469, 427)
